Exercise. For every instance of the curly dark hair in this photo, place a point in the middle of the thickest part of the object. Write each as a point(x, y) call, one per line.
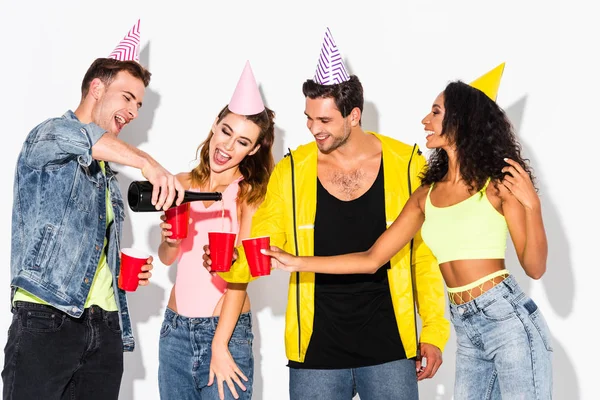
point(483, 136)
point(347, 95)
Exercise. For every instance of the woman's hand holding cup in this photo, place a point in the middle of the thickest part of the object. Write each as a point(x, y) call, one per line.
point(283, 260)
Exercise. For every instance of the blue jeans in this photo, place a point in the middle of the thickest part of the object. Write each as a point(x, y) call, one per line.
point(51, 355)
point(185, 352)
point(395, 380)
point(503, 347)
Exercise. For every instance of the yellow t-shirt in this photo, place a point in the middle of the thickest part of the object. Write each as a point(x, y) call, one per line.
point(101, 292)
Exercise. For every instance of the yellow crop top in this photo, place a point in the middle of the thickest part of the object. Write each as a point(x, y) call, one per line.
point(471, 229)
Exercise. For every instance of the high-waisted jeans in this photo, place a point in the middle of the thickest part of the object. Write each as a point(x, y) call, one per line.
point(185, 352)
point(504, 349)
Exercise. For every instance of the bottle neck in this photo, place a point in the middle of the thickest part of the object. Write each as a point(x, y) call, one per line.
point(139, 196)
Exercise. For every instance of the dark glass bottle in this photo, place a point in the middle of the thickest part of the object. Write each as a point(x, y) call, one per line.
point(139, 196)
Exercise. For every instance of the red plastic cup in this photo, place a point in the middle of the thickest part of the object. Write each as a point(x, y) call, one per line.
point(179, 218)
point(259, 263)
point(221, 246)
point(132, 261)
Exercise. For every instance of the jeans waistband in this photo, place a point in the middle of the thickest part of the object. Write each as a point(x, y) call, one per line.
point(245, 319)
point(92, 312)
point(508, 286)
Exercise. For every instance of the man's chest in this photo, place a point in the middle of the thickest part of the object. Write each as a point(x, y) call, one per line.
point(347, 183)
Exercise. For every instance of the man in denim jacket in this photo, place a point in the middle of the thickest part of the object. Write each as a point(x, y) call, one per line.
point(70, 320)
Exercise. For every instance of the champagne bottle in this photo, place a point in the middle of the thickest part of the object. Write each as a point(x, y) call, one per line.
point(139, 196)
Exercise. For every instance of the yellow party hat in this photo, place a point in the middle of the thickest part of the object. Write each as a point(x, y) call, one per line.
point(489, 82)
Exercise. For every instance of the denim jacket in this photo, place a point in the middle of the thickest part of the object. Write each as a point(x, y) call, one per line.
point(58, 220)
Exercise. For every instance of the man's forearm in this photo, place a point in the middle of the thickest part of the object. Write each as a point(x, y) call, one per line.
point(109, 148)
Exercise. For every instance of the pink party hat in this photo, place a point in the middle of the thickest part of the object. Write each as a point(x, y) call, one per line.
point(331, 69)
point(246, 99)
point(129, 48)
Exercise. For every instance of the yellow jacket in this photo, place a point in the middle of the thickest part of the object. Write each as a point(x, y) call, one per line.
point(295, 234)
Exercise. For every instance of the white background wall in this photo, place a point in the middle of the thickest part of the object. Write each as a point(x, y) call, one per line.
point(404, 57)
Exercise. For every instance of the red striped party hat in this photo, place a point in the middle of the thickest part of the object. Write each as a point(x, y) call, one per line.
point(129, 48)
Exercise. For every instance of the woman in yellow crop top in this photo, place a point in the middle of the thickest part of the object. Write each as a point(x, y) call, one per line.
point(477, 187)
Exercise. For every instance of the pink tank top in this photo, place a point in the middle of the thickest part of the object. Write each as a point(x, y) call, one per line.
point(197, 292)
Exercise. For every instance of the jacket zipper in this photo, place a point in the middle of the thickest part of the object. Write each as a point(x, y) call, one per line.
point(296, 247)
point(412, 241)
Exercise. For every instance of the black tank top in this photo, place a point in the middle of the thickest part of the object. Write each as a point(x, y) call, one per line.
point(354, 322)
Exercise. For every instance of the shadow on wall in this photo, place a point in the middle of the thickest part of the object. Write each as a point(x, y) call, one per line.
point(278, 148)
point(441, 386)
point(267, 293)
point(137, 133)
point(558, 281)
point(370, 118)
point(559, 278)
point(147, 301)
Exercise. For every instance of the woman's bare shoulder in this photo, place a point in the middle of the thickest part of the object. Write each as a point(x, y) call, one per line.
point(420, 195)
point(421, 191)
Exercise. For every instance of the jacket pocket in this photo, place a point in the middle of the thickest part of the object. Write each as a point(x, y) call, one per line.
point(84, 190)
point(45, 250)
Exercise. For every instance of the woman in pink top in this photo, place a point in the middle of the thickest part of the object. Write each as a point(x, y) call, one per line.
point(207, 329)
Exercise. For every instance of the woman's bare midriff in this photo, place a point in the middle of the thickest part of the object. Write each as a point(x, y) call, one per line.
point(217, 311)
point(463, 272)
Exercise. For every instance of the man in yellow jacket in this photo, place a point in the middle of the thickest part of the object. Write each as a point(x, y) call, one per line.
point(348, 334)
